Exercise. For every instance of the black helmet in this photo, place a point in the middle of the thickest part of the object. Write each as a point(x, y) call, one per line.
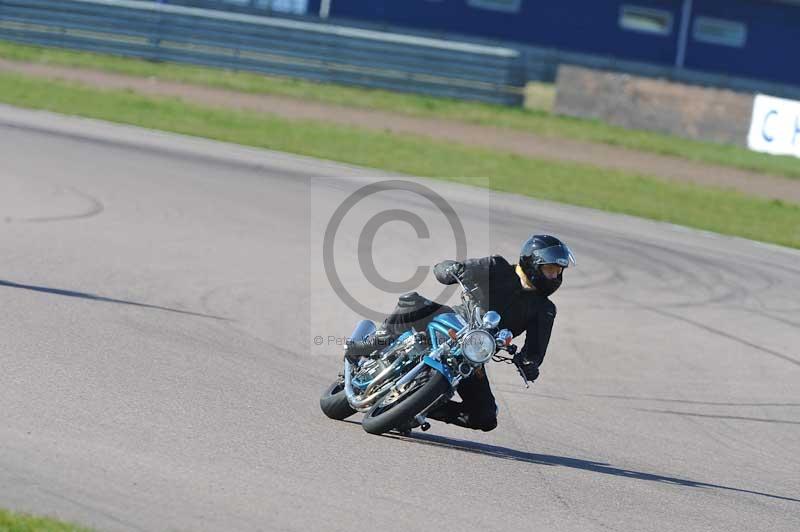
point(539, 250)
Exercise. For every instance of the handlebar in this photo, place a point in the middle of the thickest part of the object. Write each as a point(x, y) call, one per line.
point(466, 296)
point(511, 349)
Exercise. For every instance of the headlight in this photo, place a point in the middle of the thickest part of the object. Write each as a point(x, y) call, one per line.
point(478, 346)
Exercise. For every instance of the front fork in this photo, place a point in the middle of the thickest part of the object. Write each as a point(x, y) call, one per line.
point(453, 378)
point(435, 363)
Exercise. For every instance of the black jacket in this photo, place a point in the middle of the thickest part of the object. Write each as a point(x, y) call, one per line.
point(499, 289)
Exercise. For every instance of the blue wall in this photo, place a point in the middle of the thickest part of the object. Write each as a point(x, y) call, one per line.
point(771, 49)
point(576, 25)
point(592, 26)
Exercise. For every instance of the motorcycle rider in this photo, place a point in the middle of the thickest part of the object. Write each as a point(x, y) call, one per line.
point(519, 293)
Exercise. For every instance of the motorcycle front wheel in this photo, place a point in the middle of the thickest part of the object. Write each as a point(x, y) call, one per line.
point(398, 408)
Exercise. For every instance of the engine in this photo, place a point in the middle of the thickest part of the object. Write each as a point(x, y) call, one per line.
point(409, 347)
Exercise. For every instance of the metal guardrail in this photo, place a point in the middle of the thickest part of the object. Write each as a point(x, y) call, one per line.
point(278, 46)
point(542, 63)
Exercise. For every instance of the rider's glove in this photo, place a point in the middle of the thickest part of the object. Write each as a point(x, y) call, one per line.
point(528, 368)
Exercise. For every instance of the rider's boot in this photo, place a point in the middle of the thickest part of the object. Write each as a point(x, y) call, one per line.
point(451, 412)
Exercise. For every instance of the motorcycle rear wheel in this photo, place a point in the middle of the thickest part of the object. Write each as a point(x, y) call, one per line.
point(392, 412)
point(334, 402)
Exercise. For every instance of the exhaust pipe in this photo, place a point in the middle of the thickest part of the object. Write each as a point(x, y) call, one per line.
point(366, 402)
point(363, 329)
point(408, 377)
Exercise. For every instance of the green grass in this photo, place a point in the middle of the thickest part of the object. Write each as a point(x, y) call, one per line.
point(538, 120)
point(17, 522)
point(706, 208)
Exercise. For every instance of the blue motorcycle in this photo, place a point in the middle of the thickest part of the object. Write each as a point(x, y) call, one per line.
point(398, 385)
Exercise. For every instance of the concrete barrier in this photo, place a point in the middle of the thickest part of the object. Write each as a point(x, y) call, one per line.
point(698, 113)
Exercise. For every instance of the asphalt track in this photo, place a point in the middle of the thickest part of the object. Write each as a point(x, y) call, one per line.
point(160, 297)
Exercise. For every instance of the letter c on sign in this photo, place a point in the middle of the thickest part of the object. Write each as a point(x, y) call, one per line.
point(768, 138)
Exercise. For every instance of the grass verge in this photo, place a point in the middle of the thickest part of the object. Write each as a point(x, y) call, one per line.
point(17, 522)
point(713, 209)
point(536, 121)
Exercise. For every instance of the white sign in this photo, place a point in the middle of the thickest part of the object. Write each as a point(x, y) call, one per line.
point(775, 126)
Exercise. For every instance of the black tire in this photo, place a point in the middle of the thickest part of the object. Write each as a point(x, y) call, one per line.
point(383, 418)
point(334, 402)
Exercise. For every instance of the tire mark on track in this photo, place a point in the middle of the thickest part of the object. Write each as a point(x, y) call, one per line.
point(96, 208)
point(716, 331)
point(718, 416)
point(773, 317)
point(685, 401)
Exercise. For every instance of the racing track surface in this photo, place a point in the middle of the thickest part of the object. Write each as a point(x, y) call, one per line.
point(159, 299)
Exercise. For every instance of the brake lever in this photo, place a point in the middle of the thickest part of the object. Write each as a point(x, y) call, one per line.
point(511, 349)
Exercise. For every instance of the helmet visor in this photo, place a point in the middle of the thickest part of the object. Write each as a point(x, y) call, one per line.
point(559, 254)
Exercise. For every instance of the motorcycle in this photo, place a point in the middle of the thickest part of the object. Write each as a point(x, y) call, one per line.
point(398, 385)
